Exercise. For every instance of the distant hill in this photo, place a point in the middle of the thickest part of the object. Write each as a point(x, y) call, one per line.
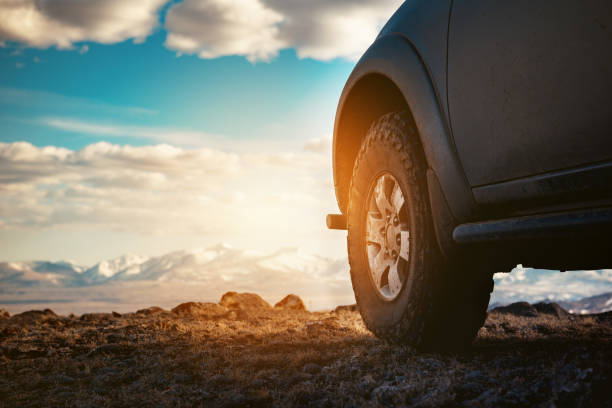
point(593, 304)
point(219, 262)
point(540, 285)
point(325, 281)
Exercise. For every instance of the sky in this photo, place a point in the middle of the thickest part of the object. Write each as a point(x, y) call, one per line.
point(148, 126)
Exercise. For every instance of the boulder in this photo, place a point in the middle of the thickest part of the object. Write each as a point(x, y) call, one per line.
point(97, 317)
point(207, 311)
point(32, 317)
point(551, 309)
point(290, 302)
point(346, 308)
point(153, 310)
point(604, 318)
point(523, 309)
point(243, 301)
point(4, 314)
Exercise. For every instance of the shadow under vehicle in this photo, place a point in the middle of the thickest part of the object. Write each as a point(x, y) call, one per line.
point(473, 135)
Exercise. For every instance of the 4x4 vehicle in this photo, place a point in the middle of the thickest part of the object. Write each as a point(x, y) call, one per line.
point(471, 136)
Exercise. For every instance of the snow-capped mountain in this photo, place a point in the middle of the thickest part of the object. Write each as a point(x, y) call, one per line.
point(133, 281)
point(220, 262)
point(593, 304)
point(537, 285)
point(102, 271)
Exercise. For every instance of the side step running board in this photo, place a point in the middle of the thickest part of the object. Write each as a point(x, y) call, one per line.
point(556, 225)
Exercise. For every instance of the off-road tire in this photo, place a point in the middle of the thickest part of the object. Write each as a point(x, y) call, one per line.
point(446, 302)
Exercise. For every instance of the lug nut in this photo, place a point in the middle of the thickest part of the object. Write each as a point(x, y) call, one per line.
point(395, 221)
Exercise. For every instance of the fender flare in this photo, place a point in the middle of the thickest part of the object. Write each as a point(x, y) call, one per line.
point(394, 57)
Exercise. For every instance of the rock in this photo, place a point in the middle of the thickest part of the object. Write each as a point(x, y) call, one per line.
point(389, 395)
point(182, 378)
point(517, 309)
point(114, 338)
point(346, 308)
point(151, 311)
point(116, 314)
point(311, 368)
point(21, 352)
point(105, 377)
point(206, 311)
point(488, 398)
point(234, 400)
point(475, 375)
point(111, 349)
point(258, 398)
point(508, 328)
point(551, 309)
point(468, 391)
point(544, 329)
point(243, 301)
point(32, 317)
point(218, 379)
point(605, 318)
point(366, 385)
point(4, 314)
point(64, 379)
point(258, 383)
point(67, 396)
point(298, 378)
point(95, 317)
point(290, 302)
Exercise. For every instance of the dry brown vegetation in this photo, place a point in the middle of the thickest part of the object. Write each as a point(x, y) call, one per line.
point(244, 353)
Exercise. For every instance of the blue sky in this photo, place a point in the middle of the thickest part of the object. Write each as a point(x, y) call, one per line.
point(151, 125)
point(148, 85)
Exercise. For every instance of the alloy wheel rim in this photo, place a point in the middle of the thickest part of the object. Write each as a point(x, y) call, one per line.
point(387, 236)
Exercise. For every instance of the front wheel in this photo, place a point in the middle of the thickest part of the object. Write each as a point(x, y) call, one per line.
point(405, 290)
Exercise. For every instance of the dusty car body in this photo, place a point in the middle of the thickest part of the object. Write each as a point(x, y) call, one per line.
point(511, 104)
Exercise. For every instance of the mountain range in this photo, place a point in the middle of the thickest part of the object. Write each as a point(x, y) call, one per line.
point(205, 273)
point(218, 262)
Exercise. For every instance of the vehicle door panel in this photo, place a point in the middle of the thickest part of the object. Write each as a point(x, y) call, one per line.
point(529, 86)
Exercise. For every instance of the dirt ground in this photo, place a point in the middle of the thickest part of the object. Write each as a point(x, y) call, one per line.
point(244, 353)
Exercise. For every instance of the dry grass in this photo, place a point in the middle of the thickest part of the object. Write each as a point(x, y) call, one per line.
point(269, 357)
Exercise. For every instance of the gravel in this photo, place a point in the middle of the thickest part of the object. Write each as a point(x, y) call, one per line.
point(253, 355)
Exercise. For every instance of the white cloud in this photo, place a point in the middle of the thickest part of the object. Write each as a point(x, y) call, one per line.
point(213, 28)
point(255, 29)
point(63, 23)
point(155, 134)
point(324, 29)
point(275, 148)
point(319, 145)
point(258, 29)
point(256, 198)
point(534, 285)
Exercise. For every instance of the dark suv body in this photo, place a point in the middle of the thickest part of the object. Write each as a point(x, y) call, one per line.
point(506, 109)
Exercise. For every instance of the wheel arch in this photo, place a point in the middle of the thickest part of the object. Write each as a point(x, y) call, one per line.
point(392, 76)
point(358, 113)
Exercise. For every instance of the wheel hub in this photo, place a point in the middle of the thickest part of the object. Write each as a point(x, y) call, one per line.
point(392, 235)
point(387, 236)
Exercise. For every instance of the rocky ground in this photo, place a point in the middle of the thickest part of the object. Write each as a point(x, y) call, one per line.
point(242, 352)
